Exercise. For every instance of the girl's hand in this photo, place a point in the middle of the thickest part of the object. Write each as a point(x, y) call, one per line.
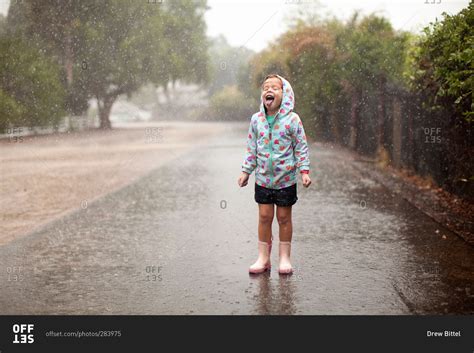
point(243, 179)
point(306, 180)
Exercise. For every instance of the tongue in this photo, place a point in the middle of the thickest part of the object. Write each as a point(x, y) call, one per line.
point(269, 101)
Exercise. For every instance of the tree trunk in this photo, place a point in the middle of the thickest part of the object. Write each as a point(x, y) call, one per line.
point(68, 59)
point(381, 114)
point(68, 62)
point(414, 102)
point(104, 111)
point(397, 133)
point(382, 153)
point(354, 119)
point(167, 94)
point(336, 132)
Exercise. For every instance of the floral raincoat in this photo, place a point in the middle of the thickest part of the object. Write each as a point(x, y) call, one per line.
point(277, 151)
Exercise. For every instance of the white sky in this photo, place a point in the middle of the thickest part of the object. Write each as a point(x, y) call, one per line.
point(254, 23)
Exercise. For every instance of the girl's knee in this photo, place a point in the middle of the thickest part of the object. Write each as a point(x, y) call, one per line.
point(265, 218)
point(284, 220)
point(284, 215)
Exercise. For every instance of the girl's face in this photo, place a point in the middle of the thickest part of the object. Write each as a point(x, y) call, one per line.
point(272, 93)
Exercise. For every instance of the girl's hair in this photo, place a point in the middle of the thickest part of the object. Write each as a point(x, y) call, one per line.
point(271, 76)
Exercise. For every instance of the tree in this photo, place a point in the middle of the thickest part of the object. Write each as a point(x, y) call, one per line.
point(371, 55)
point(313, 63)
point(178, 45)
point(30, 89)
point(184, 32)
point(54, 27)
point(442, 76)
point(384, 53)
point(113, 60)
point(443, 64)
point(112, 47)
point(3, 25)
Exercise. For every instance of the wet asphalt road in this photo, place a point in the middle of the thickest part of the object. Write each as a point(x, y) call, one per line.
point(180, 240)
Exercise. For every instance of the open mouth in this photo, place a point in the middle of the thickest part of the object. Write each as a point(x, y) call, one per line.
point(269, 98)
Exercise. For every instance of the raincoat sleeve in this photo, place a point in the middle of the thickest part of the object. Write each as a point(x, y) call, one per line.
point(250, 159)
point(300, 145)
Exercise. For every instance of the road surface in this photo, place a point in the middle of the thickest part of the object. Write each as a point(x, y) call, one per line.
point(180, 239)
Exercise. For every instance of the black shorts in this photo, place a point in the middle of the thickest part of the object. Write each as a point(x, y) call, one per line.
point(283, 197)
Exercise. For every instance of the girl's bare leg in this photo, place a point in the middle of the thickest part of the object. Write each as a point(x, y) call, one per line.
point(265, 220)
point(286, 233)
point(285, 223)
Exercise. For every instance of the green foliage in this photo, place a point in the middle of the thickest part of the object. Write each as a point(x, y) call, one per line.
point(113, 47)
point(272, 60)
point(328, 62)
point(443, 64)
point(3, 25)
point(31, 93)
point(230, 104)
point(112, 59)
point(185, 33)
point(315, 74)
point(251, 92)
point(355, 82)
point(10, 111)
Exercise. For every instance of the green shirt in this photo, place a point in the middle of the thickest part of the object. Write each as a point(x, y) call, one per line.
point(271, 120)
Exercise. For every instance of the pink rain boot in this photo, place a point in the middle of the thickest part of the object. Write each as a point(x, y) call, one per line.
point(263, 262)
point(285, 265)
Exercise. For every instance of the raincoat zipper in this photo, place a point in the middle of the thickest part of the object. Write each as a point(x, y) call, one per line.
point(271, 148)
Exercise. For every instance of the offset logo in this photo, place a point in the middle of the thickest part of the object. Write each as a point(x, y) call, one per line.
point(23, 333)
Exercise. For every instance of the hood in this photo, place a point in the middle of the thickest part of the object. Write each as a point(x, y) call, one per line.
point(287, 100)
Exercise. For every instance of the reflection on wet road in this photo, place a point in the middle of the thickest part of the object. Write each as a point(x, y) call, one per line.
point(180, 240)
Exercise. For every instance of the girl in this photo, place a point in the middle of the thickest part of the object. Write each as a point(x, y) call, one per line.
point(276, 149)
